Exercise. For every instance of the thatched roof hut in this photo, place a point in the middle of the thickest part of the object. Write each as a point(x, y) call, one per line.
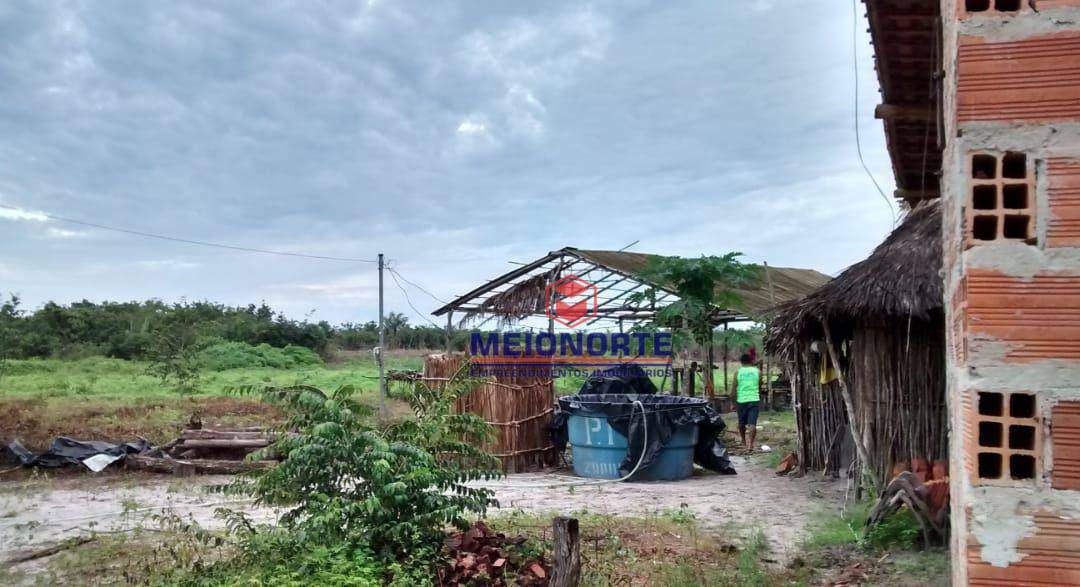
point(900, 279)
point(885, 315)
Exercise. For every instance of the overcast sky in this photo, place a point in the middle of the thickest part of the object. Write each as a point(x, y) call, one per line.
point(453, 136)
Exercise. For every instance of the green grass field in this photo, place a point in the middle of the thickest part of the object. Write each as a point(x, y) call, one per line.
point(101, 378)
point(113, 399)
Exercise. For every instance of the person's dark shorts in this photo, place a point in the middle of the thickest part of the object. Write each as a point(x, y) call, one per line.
point(747, 413)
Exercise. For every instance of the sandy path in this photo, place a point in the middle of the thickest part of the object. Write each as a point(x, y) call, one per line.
point(754, 499)
point(33, 514)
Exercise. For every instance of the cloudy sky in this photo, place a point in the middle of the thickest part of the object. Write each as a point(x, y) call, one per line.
point(452, 136)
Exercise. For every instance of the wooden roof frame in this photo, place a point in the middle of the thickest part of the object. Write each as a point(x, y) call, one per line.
point(616, 283)
point(907, 40)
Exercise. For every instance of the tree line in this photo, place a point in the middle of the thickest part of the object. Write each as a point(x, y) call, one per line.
point(131, 330)
point(128, 330)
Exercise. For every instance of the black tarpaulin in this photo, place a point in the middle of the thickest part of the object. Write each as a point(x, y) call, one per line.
point(67, 451)
point(624, 378)
point(664, 414)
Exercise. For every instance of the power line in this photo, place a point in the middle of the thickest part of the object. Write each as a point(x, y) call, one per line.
point(858, 140)
point(187, 240)
point(431, 295)
point(408, 300)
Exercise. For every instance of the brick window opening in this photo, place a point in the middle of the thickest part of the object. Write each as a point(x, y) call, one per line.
point(990, 434)
point(1022, 467)
point(1000, 205)
point(1016, 227)
point(989, 465)
point(984, 228)
point(1021, 437)
point(1013, 197)
point(984, 167)
point(1008, 437)
point(971, 6)
point(984, 197)
point(1022, 405)
point(991, 404)
point(1014, 166)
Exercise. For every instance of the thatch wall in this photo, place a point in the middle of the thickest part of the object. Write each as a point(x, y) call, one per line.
point(520, 408)
point(886, 315)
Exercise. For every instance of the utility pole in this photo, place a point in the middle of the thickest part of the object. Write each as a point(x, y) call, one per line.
point(382, 344)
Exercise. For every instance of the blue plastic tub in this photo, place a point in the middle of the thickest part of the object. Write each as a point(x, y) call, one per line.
point(598, 450)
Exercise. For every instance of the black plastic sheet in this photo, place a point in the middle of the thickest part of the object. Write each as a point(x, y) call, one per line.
point(67, 451)
point(624, 378)
point(664, 414)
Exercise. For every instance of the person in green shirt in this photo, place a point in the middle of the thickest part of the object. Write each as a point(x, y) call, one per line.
point(745, 394)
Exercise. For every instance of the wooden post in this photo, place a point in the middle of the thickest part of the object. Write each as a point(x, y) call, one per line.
point(449, 331)
point(691, 383)
point(849, 405)
point(710, 384)
point(724, 358)
point(567, 568)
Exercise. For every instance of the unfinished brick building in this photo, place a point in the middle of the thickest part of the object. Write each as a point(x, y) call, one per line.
point(993, 88)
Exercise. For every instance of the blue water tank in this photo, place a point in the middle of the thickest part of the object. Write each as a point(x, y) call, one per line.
point(599, 450)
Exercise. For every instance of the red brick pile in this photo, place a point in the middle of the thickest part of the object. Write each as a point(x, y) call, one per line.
point(479, 556)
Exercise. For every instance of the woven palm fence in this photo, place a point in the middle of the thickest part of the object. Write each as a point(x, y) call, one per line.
point(518, 406)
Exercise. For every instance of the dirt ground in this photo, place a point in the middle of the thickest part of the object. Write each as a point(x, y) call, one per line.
point(37, 512)
point(737, 505)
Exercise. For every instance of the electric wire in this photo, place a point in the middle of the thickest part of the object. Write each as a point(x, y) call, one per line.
point(188, 240)
point(858, 138)
point(431, 295)
point(408, 300)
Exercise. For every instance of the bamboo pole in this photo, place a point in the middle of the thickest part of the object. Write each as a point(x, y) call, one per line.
point(853, 423)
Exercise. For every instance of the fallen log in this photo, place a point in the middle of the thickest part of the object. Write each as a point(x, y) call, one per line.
point(54, 549)
point(225, 443)
point(193, 466)
point(221, 435)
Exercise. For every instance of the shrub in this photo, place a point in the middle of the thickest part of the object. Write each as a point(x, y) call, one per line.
point(239, 355)
point(899, 530)
point(389, 492)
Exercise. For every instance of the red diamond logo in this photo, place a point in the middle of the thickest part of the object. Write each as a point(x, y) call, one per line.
point(571, 301)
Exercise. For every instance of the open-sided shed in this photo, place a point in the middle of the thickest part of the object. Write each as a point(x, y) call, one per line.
point(520, 293)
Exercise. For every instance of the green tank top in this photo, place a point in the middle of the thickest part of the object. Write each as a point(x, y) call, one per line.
point(748, 378)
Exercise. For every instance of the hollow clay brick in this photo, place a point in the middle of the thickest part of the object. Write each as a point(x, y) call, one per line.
point(1027, 80)
point(1063, 192)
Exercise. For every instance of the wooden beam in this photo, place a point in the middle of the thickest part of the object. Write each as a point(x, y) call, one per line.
point(894, 112)
point(916, 195)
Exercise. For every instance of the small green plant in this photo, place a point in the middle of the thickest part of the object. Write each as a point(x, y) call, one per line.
point(385, 492)
point(898, 531)
point(749, 562)
point(681, 515)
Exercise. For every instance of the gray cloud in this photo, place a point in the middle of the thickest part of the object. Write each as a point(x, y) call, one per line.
point(452, 136)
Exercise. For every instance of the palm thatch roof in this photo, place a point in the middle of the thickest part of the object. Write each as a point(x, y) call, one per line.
point(900, 279)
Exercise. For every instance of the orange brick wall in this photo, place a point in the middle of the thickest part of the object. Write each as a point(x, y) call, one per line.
point(1038, 318)
point(1063, 177)
point(1011, 181)
point(1034, 79)
point(1053, 556)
